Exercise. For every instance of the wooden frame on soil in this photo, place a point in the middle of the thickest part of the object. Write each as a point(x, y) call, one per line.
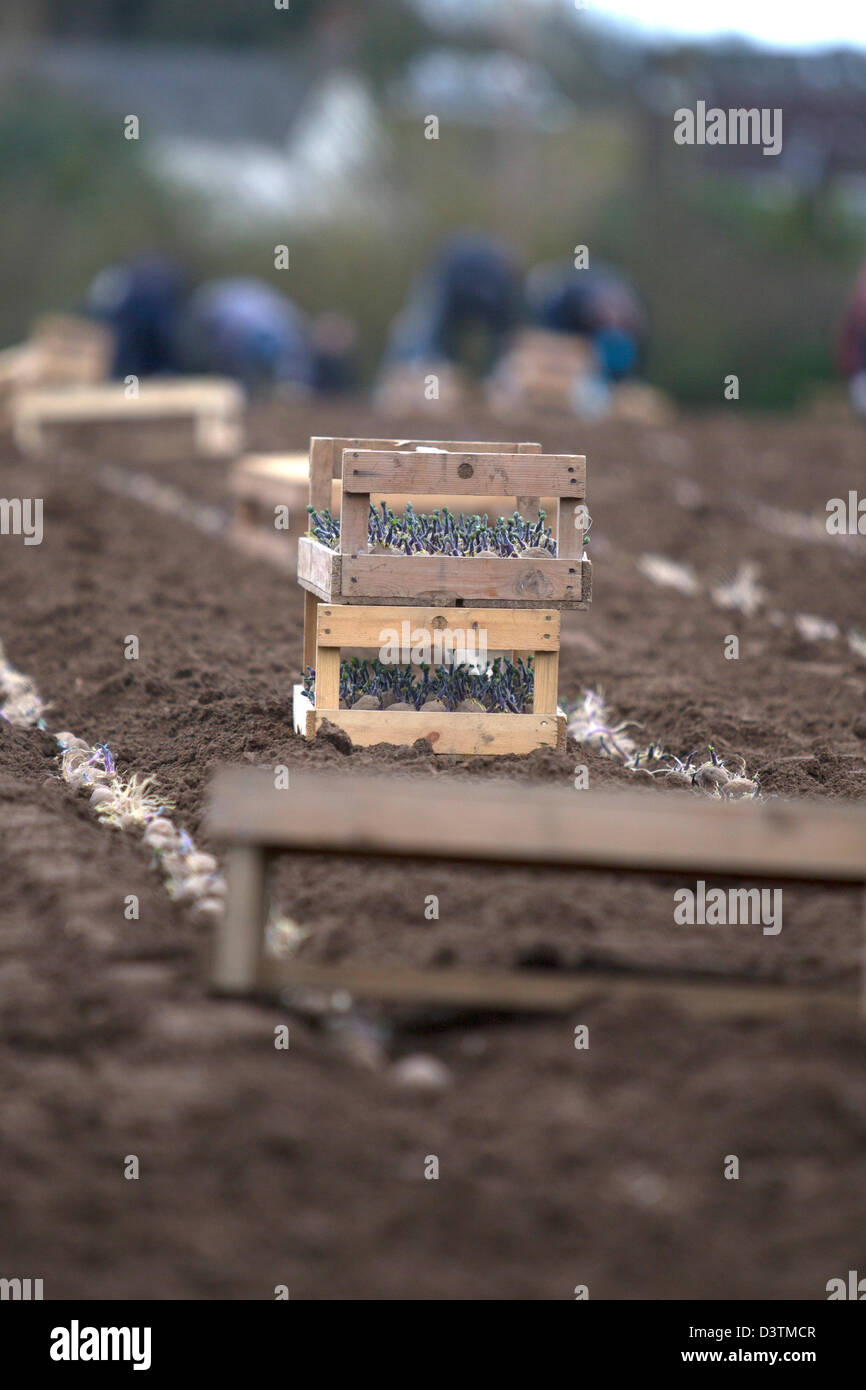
point(493, 823)
point(214, 407)
point(354, 625)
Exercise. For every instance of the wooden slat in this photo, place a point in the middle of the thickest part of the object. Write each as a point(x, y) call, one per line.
point(537, 991)
point(322, 458)
point(462, 734)
point(440, 578)
point(190, 395)
point(238, 940)
point(545, 684)
point(354, 523)
point(353, 625)
point(318, 567)
point(511, 475)
point(473, 504)
point(337, 444)
point(311, 608)
point(800, 841)
point(569, 533)
point(327, 678)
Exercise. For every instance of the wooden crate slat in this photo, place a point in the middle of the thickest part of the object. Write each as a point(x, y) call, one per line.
point(319, 568)
point(469, 504)
point(328, 677)
point(546, 678)
point(500, 474)
point(311, 607)
point(110, 401)
point(570, 528)
point(449, 732)
point(436, 578)
point(538, 991)
point(639, 831)
point(505, 628)
point(326, 456)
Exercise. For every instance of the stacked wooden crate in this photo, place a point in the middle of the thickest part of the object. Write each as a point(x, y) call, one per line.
point(542, 371)
point(354, 595)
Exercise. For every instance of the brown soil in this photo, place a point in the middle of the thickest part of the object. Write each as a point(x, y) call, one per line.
point(558, 1167)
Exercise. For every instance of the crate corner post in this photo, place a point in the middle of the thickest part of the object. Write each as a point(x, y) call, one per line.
point(239, 936)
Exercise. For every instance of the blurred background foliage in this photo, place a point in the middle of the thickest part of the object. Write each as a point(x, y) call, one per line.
point(743, 272)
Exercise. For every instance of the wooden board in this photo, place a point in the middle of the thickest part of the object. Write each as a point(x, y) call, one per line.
point(453, 733)
point(542, 991)
point(444, 578)
point(326, 456)
point(469, 504)
point(509, 475)
point(356, 626)
point(213, 405)
point(525, 825)
point(273, 480)
point(638, 831)
point(319, 568)
point(186, 395)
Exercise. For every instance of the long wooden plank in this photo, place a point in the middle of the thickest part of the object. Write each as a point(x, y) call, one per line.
point(326, 456)
point(470, 504)
point(440, 578)
point(642, 831)
point(190, 395)
point(454, 733)
point(353, 625)
point(509, 475)
point(337, 444)
point(537, 991)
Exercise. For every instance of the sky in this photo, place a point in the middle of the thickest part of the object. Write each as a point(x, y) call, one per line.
point(782, 23)
point(799, 24)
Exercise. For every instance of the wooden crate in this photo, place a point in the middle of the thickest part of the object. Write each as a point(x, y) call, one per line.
point(353, 575)
point(326, 458)
point(63, 350)
point(402, 389)
point(259, 484)
point(71, 350)
point(207, 411)
point(634, 831)
point(351, 625)
point(541, 371)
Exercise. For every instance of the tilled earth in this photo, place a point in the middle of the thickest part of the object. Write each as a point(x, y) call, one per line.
point(557, 1167)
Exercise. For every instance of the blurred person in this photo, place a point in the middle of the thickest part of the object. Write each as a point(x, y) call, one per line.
point(335, 364)
point(468, 298)
point(244, 328)
point(851, 349)
point(139, 300)
point(598, 304)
